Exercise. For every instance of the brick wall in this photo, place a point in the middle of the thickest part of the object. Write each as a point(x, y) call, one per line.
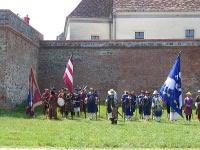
point(2, 64)
point(19, 48)
point(122, 65)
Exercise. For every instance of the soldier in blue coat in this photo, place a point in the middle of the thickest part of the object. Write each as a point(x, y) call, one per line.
point(140, 103)
point(147, 106)
point(90, 99)
point(124, 95)
point(130, 102)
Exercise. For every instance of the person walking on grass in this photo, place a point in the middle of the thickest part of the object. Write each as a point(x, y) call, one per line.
point(188, 102)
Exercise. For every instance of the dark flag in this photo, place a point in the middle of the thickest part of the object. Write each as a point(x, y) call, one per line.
point(171, 90)
point(33, 97)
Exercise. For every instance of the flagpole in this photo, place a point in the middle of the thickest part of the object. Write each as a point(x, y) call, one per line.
point(171, 89)
point(179, 54)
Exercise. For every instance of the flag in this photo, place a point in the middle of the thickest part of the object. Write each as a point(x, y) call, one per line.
point(171, 89)
point(34, 96)
point(68, 75)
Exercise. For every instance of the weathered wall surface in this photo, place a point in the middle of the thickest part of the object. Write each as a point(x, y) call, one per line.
point(19, 47)
point(2, 64)
point(122, 65)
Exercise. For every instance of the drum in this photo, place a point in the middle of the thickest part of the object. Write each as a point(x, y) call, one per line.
point(61, 102)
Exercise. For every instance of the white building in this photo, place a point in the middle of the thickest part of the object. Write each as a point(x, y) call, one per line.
point(133, 19)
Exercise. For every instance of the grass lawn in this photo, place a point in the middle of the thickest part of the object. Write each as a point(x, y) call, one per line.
point(20, 131)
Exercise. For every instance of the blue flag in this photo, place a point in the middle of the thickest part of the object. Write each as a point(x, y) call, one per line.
point(171, 90)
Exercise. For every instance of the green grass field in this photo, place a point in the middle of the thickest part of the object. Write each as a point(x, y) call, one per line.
point(20, 131)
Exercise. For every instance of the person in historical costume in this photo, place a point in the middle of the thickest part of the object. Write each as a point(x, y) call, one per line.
point(45, 101)
point(157, 106)
point(69, 105)
point(130, 102)
point(168, 111)
point(133, 104)
point(56, 96)
point(96, 101)
point(140, 103)
point(76, 101)
point(188, 102)
point(52, 106)
point(173, 114)
point(112, 106)
point(62, 95)
point(90, 99)
point(124, 95)
point(83, 105)
point(147, 105)
point(197, 103)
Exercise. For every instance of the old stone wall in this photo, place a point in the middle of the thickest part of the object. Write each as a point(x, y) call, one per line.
point(19, 48)
point(121, 65)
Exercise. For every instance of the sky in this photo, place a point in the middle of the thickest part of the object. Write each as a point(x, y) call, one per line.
point(46, 16)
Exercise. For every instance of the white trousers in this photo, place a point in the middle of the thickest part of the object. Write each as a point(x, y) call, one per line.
point(91, 116)
point(157, 119)
point(173, 116)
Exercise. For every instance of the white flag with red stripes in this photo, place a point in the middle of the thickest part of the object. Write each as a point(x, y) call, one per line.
point(68, 75)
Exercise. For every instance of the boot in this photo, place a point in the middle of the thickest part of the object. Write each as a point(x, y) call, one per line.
point(112, 120)
point(115, 121)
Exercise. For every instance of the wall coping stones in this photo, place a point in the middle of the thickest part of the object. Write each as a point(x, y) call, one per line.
point(8, 18)
point(122, 43)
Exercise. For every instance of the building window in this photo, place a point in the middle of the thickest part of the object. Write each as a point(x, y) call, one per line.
point(94, 37)
point(189, 34)
point(139, 35)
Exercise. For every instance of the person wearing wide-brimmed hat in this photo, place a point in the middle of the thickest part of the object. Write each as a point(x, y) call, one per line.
point(188, 102)
point(197, 101)
point(112, 106)
point(157, 106)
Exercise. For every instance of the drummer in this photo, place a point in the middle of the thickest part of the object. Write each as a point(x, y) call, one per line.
point(61, 98)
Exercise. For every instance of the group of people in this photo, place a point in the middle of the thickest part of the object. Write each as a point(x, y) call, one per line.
point(81, 101)
point(130, 102)
point(147, 105)
point(70, 102)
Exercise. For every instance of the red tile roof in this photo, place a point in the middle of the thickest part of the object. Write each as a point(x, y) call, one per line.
point(93, 9)
point(157, 5)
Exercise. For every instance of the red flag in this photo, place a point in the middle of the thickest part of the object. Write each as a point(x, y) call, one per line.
point(68, 75)
point(34, 96)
